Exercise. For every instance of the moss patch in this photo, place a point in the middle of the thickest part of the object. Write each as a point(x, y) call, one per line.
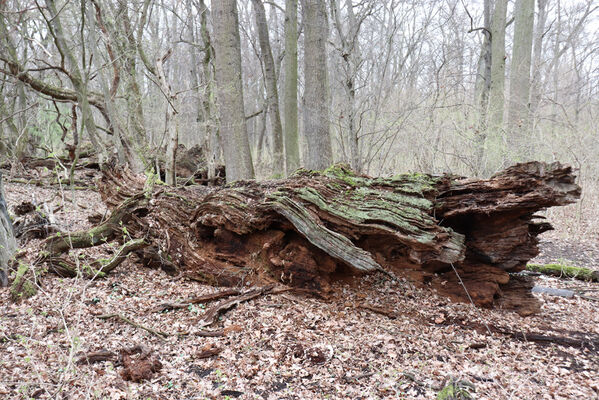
point(567, 271)
point(22, 286)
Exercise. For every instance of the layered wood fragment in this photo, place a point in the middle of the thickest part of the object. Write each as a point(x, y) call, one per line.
point(306, 230)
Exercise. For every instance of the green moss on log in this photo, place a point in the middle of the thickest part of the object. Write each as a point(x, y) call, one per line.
point(567, 271)
point(23, 286)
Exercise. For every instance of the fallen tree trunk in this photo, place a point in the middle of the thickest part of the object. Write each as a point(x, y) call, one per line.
point(460, 236)
point(565, 271)
point(451, 233)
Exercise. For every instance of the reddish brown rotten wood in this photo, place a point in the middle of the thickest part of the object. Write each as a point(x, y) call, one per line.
point(315, 226)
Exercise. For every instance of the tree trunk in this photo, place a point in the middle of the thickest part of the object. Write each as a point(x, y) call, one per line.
point(272, 94)
point(519, 103)
point(316, 96)
point(233, 134)
point(78, 80)
point(172, 122)
point(307, 230)
point(496, 95)
point(292, 157)
point(535, 96)
point(482, 87)
point(8, 244)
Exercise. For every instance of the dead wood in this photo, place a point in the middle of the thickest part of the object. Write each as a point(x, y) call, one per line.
point(209, 350)
point(197, 300)
point(96, 356)
point(576, 339)
point(446, 232)
point(100, 234)
point(389, 313)
point(159, 334)
point(138, 364)
point(211, 315)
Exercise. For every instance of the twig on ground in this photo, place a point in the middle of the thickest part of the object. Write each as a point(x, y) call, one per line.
point(161, 335)
point(96, 356)
point(213, 313)
point(196, 300)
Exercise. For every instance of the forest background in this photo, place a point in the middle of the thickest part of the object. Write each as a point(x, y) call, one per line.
point(464, 87)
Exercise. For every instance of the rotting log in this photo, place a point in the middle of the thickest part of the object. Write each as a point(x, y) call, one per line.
point(447, 232)
point(565, 271)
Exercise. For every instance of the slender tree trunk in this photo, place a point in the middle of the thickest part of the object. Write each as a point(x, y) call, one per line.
point(535, 95)
point(77, 79)
point(208, 102)
point(270, 80)
point(8, 244)
point(482, 87)
point(292, 158)
point(519, 103)
point(496, 95)
point(316, 96)
point(233, 132)
point(172, 122)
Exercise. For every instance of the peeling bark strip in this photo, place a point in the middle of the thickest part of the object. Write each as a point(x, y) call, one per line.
point(306, 230)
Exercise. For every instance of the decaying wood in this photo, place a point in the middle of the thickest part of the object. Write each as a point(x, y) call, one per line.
point(211, 315)
point(159, 334)
point(445, 232)
point(208, 351)
point(565, 271)
point(197, 300)
point(96, 356)
point(576, 339)
point(138, 364)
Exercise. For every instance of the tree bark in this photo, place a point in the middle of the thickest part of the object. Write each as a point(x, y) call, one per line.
point(8, 244)
point(496, 95)
point(316, 97)
point(78, 80)
point(272, 94)
point(305, 231)
point(292, 157)
point(482, 87)
point(519, 101)
point(233, 134)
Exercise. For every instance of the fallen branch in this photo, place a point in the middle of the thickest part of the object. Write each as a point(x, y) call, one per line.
point(591, 342)
point(196, 300)
point(159, 334)
point(96, 356)
point(565, 271)
point(378, 310)
point(122, 254)
point(62, 266)
point(98, 235)
point(212, 314)
point(208, 351)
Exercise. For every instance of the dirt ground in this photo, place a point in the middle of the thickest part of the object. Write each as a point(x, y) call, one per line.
point(376, 339)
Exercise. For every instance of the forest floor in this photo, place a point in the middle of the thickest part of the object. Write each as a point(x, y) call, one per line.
point(374, 339)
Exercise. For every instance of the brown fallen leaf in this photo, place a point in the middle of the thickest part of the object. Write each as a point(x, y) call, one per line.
point(209, 351)
point(232, 328)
